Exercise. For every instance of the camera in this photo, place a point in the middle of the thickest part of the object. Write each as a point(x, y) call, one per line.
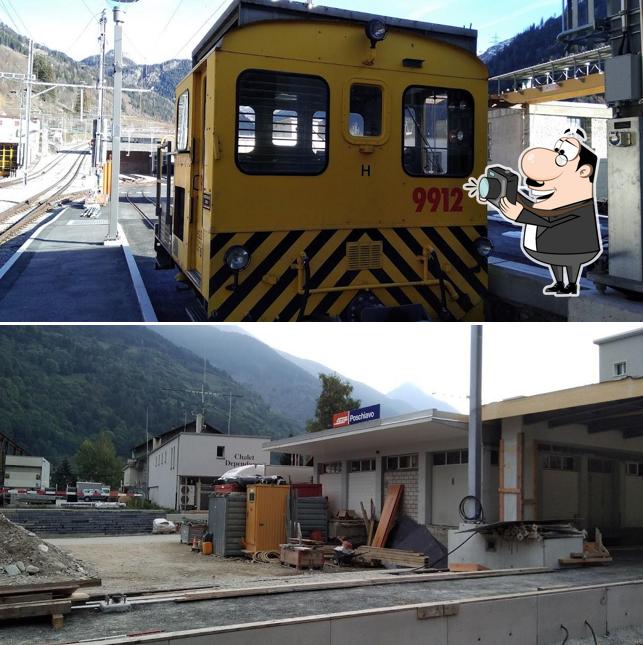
point(499, 182)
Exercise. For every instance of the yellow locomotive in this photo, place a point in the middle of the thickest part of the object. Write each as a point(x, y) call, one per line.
point(8, 159)
point(318, 168)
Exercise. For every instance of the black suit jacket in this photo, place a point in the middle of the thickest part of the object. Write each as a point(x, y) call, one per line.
point(566, 230)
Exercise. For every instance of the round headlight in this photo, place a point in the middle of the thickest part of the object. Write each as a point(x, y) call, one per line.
point(484, 246)
point(237, 258)
point(483, 188)
point(376, 30)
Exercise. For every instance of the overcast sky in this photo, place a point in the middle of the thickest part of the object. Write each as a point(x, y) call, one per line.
point(157, 30)
point(518, 358)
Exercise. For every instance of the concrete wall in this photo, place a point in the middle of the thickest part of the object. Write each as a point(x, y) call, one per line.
point(628, 350)
point(163, 467)
point(512, 130)
point(530, 618)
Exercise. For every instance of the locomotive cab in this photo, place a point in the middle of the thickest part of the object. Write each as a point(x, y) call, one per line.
point(320, 157)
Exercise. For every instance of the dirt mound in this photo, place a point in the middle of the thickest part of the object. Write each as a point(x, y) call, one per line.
point(26, 559)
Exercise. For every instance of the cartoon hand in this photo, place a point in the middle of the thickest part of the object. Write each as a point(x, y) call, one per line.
point(509, 210)
point(472, 190)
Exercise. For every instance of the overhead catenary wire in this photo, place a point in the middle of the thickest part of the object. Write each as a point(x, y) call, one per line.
point(203, 24)
point(9, 16)
point(20, 20)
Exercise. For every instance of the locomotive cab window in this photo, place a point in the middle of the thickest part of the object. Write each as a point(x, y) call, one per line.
point(281, 123)
point(437, 132)
point(365, 116)
point(182, 112)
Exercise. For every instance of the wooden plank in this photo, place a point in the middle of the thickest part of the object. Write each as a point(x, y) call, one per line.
point(57, 588)
point(30, 609)
point(389, 512)
point(352, 584)
point(28, 597)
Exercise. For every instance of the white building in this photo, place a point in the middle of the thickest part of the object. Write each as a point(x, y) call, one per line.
point(576, 454)
point(183, 470)
point(26, 472)
point(621, 355)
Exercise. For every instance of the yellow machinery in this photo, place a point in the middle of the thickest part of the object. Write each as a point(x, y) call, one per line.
point(266, 517)
point(8, 159)
point(319, 163)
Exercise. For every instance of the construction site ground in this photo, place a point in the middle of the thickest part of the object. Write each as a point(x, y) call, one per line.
point(155, 562)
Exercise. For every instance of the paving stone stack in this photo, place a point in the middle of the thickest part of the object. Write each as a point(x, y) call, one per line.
point(84, 522)
point(227, 522)
point(312, 514)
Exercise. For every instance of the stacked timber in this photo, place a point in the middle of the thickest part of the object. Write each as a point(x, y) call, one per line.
point(376, 555)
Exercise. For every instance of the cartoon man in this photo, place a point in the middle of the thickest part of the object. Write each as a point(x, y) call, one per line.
point(560, 225)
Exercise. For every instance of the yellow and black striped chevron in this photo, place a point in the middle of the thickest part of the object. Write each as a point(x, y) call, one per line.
point(391, 263)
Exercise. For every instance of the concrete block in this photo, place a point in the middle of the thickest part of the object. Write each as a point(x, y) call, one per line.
point(310, 633)
point(624, 606)
point(494, 622)
point(572, 609)
point(383, 629)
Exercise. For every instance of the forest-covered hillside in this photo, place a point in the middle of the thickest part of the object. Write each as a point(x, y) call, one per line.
point(60, 385)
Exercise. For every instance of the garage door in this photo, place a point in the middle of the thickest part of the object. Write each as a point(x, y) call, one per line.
point(361, 488)
point(559, 487)
point(449, 487)
point(603, 500)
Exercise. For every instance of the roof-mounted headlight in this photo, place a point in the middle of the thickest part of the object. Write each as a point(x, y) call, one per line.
point(376, 31)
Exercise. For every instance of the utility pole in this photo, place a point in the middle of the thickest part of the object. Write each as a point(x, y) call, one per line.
point(474, 466)
point(25, 163)
point(100, 125)
point(112, 232)
point(147, 452)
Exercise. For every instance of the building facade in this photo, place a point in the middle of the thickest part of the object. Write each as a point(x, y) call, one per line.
point(26, 472)
point(183, 469)
point(621, 355)
point(574, 455)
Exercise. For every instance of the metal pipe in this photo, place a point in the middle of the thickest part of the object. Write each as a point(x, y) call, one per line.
point(25, 164)
point(474, 467)
point(119, 18)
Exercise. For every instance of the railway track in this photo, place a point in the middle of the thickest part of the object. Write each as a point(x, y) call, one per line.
point(33, 211)
point(39, 173)
point(149, 222)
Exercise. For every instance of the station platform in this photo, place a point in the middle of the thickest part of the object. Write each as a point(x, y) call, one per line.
point(516, 290)
point(63, 272)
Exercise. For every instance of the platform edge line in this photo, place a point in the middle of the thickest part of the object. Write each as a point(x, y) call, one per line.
point(144, 302)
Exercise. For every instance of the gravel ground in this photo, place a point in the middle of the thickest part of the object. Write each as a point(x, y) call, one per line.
point(145, 562)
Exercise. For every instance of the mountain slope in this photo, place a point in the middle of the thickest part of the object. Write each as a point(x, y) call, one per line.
point(55, 66)
point(289, 384)
point(365, 393)
point(62, 384)
point(287, 388)
point(418, 399)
